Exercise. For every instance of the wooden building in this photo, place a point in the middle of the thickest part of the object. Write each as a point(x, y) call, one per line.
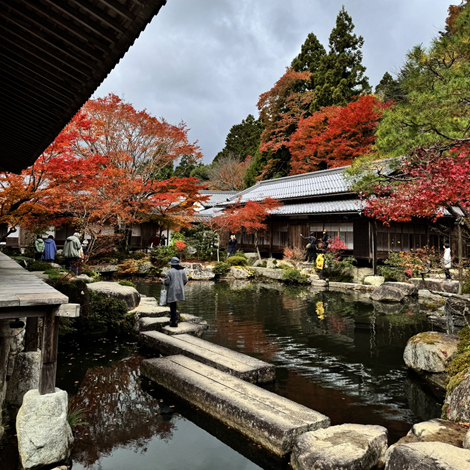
point(322, 200)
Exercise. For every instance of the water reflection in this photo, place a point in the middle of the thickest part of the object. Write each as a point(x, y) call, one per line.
point(333, 353)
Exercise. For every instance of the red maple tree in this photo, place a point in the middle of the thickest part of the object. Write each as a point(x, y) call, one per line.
point(334, 136)
point(249, 217)
point(426, 186)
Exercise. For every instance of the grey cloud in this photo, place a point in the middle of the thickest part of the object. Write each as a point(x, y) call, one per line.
point(207, 61)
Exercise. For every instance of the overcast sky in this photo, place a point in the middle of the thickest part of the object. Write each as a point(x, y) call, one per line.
point(205, 62)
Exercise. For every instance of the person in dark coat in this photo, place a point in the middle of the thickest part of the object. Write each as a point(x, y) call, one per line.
point(175, 279)
point(312, 247)
point(232, 246)
point(50, 249)
point(324, 240)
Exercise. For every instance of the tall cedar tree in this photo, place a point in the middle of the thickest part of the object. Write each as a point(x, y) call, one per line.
point(242, 140)
point(341, 70)
point(315, 80)
point(336, 135)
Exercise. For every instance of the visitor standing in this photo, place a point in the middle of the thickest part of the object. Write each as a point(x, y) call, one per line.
point(320, 264)
point(162, 240)
point(232, 246)
point(50, 249)
point(38, 248)
point(311, 247)
point(324, 240)
point(175, 279)
point(72, 247)
point(155, 241)
point(447, 260)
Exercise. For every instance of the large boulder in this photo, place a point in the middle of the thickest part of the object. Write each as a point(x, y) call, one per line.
point(428, 456)
point(238, 273)
point(269, 273)
point(458, 401)
point(457, 310)
point(44, 435)
point(434, 430)
point(348, 446)
point(375, 281)
point(394, 292)
point(25, 376)
point(112, 289)
point(197, 271)
point(430, 351)
point(437, 285)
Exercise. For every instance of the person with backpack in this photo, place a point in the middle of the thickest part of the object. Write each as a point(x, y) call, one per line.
point(311, 247)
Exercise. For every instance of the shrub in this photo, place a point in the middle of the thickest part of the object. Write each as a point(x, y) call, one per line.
point(336, 268)
point(53, 273)
point(129, 266)
point(294, 254)
point(294, 276)
point(240, 254)
point(127, 283)
point(237, 261)
point(106, 312)
point(201, 242)
point(161, 255)
point(38, 265)
point(90, 273)
point(220, 268)
point(138, 255)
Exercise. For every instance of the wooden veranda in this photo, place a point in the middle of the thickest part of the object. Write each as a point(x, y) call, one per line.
point(24, 295)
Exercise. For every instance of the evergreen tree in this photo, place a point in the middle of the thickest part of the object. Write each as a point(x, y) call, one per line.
point(341, 70)
point(389, 89)
point(242, 140)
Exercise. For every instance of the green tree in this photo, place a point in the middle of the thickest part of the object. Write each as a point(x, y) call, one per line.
point(389, 89)
point(185, 166)
point(242, 140)
point(433, 114)
point(341, 70)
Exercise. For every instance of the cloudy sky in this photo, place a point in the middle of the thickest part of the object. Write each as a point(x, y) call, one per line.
point(205, 62)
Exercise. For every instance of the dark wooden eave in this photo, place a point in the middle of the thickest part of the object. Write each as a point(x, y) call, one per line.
point(53, 56)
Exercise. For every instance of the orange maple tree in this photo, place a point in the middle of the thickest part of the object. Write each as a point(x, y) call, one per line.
point(250, 217)
point(335, 135)
point(104, 169)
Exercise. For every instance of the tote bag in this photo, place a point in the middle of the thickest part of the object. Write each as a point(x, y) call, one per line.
point(163, 297)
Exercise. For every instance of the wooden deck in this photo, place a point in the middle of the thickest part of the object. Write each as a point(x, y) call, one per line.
point(22, 295)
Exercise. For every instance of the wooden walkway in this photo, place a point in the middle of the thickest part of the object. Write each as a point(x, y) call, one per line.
point(239, 365)
point(22, 295)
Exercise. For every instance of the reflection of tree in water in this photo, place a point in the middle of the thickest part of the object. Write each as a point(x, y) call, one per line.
point(119, 413)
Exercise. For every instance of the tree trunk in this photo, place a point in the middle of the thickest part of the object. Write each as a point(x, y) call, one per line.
point(256, 246)
point(460, 260)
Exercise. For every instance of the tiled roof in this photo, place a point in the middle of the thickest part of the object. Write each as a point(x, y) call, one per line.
point(325, 207)
point(328, 207)
point(318, 183)
point(217, 197)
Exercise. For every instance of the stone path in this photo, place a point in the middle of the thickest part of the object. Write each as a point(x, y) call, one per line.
point(269, 419)
point(239, 365)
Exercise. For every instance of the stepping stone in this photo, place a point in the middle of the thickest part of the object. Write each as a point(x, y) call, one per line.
point(234, 363)
point(194, 329)
point(345, 446)
point(270, 420)
point(153, 324)
point(187, 317)
point(148, 301)
point(150, 311)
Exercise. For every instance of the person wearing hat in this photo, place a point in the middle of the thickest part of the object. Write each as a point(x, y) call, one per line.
point(71, 252)
point(175, 279)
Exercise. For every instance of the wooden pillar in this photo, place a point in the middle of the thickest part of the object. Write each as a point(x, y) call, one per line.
point(374, 247)
point(31, 337)
point(50, 338)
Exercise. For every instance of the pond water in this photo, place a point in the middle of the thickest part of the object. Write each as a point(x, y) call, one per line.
point(334, 353)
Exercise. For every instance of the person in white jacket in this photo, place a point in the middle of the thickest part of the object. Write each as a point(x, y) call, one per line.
point(447, 260)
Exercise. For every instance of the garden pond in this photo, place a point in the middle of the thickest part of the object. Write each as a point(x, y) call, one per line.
point(339, 354)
